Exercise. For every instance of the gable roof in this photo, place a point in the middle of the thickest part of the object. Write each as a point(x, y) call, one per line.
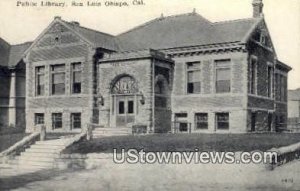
point(16, 53)
point(176, 31)
point(4, 52)
point(98, 39)
point(187, 30)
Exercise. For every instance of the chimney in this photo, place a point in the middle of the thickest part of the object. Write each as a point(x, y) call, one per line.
point(257, 8)
point(57, 17)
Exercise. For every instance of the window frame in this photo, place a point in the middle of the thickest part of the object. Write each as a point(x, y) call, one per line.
point(222, 121)
point(192, 70)
point(37, 75)
point(54, 118)
point(37, 118)
point(73, 71)
point(197, 121)
point(52, 73)
point(270, 76)
point(227, 66)
point(253, 75)
point(73, 120)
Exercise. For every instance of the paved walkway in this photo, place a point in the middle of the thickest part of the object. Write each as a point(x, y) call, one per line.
point(111, 176)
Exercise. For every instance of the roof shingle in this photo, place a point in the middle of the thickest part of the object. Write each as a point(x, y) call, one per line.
point(186, 30)
point(16, 53)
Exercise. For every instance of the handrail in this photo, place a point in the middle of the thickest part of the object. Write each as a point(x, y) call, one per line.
point(20, 144)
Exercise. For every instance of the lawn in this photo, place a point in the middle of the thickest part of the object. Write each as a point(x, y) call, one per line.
point(7, 140)
point(186, 142)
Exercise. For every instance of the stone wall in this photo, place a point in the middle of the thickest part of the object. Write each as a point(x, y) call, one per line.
point(68, 49)
point(208, 101)
point(141, 71)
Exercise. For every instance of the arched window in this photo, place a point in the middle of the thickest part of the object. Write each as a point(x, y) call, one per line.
point(125, 85)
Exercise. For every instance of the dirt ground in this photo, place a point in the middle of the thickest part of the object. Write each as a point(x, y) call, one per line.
point(110, 176)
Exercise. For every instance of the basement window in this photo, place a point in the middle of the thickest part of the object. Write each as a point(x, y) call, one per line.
point(201, 120)
point(56, 120)
point(39, 118)
point(76, 120)
point(222, 121)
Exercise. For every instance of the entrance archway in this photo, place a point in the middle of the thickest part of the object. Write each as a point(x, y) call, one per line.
point(124, 92)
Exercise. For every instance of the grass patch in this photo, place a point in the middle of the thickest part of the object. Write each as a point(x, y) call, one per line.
point(186, 142)
point(8, 140)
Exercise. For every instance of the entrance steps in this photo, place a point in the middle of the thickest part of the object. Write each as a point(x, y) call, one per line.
point(40, 155)
point(106, 132)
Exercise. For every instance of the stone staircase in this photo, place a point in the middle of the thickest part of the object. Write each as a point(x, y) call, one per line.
point(40, 155)
point(107, 132)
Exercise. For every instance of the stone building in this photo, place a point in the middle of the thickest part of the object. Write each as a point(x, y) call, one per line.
point(177, 73)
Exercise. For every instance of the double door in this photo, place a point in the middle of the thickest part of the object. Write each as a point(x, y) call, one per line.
point(125, 108)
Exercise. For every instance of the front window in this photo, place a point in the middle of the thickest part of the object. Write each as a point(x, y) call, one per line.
point(58, 79)
point(222, 121)
point(56, 120)
point(223, 76)
point(281, 85)
point(76, 120)
point(270, 79)
point(253, 75)
point(201, 120)
point(76, 80)
point(40, 80)
point(193, 77)
point(39, 118)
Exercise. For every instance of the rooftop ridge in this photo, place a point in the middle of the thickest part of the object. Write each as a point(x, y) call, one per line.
point(93, 30)
point(234, 20)
point(163, 18)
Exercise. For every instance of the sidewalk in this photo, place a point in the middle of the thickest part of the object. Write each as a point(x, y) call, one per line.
point(110, 176)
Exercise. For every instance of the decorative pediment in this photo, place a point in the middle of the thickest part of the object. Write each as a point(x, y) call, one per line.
point(125, 85)
point(57, 35)
point(262, 36)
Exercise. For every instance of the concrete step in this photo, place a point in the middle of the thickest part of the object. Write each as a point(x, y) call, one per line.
point(113, 129)
point(112, 133)
point(32, 168)
point(23, 162)
point(48, 146)
point(38, 154)
point(34, 158)
point(46, 143)
point(43, 150)
point(109, 135)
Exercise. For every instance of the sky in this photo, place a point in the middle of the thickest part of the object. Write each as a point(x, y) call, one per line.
point(21, 24)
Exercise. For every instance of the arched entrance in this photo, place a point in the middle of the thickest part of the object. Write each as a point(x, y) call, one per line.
point(124, 92)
